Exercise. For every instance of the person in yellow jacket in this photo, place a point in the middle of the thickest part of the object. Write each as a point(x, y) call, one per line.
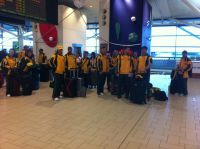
point(124, 72)
point(71, 63)
point(184, 68)
point(9, 64)
point(58, 62)
point(85, 67)
point(102, 70)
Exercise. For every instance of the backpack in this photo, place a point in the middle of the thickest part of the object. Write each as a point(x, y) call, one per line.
point(160, 96)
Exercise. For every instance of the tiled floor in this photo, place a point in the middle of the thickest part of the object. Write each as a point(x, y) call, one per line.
point(37, 122)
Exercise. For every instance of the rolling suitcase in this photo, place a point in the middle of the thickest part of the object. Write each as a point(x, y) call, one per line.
point(175, 84)
point(81, 89)
point(44, 73)
point(138, 92)
point(14, 80)
point(70, 87)
point(1, 79)
point(35, 79)
point(26, 85)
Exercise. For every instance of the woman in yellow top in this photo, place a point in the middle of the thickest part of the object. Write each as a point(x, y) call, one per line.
point(184, 67)
point(58, 62)
point(124, 71)
point(102, 70)
point(9, 64)
point(85, 67)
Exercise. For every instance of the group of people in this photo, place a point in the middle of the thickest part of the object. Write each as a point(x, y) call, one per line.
point(119, 69)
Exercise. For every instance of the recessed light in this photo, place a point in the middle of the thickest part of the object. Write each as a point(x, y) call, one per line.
point(91, 6)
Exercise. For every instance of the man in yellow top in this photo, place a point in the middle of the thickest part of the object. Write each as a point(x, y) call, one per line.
point(185, 66)
point(9, 63)
point(71, 63)
point(58, 60)
point(124, 71)
point(102, 70)
point(85, 67)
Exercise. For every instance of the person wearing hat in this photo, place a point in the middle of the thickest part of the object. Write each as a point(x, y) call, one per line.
point(58, 63)
point(184, 68)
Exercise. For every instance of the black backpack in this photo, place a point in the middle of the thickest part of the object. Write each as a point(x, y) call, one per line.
point(160, 96)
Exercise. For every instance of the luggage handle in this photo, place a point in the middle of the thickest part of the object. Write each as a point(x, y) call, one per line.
point(73, 73)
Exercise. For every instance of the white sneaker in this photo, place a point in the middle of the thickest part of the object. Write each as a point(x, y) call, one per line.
point(8, 95)
point(56, 99)
point(102, 94)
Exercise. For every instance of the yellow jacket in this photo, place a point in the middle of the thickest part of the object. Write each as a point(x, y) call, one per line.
point(71, 62)
point(124, 64)
point(85, 66)
point(9, 63)
point(144, 63)
point(58, 62)
point(102, 63)
point(185, 65)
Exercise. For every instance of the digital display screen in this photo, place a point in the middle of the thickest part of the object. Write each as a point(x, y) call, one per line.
point(30, 9)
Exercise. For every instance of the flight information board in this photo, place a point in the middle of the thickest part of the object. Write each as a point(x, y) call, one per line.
point(31, 9)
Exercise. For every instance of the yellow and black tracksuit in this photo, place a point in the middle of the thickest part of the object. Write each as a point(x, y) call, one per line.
point(70, 64)
point(102, 72)
point(143, 68)
point(9, 64)
point(58, 63)
point(93, 73)
point(185, 66)
point(85, 67)
point(124, 69)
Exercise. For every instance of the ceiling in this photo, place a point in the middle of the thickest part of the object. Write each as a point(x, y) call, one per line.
point(161, 9)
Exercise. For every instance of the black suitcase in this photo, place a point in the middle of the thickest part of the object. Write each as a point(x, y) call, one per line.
point(1, 79)
point(35, 79)
point(175, 84)
point(81, 89)
point(44, 73)
point(15, 87)
point(138, 92)
point(70, 87)
point(26, 84)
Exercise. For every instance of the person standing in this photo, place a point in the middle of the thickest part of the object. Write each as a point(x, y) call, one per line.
point(135, 62)
point(42, 58)
point(71, 63)
point(144, 66)
point(102, 70)
point(85, 66)
point(93, 71)
point(58, 62)
point(22, 53)
point(9, 64)
point(184, 67)
point(124, 72)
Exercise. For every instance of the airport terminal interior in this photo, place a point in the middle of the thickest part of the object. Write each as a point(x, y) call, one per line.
point(99, 74)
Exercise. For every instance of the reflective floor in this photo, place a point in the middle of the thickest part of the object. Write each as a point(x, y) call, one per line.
point(37, 122)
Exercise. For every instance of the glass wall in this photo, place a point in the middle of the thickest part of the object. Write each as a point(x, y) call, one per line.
point(9, 36)
point(92, 34)
point(170, 41)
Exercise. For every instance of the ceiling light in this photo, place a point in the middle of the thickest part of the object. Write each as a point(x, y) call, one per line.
point(91, 6)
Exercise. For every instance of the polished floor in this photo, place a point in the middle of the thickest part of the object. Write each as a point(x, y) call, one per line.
point(104, 122)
